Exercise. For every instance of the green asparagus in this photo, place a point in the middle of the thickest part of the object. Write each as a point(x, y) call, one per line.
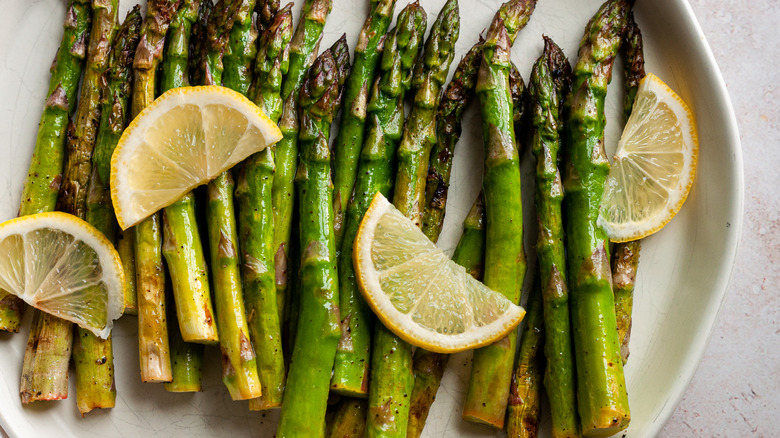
point(601, 389)
point(420, 127)
point(154, 351)
point(524, 410)
point(125, 246)
point(239, 363)
point(306, 395)
point(429, 367)
point(266, 11)
point(182, 246)
point(413, 155)
point(241, 50)
point(448, 128)
point(383, 131)
point(351, 129)
point(93, 357)
point(348, 420)
point(491, 370)
point(255, 220)
point(625, 256)
point(550, 83)
point(302, 49)
point(55, 355)
point(45, 175)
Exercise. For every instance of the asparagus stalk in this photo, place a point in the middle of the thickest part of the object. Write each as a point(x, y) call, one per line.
point(491, 371)
point(349, 419)
point(429, 367)
point(55, 355)
point(350, 138)
point(239, 363)
point(632, 49)
point(45, 376)
point(153, 347)
point(625, 261)
point(241, 49)
point(601, 390)
point(413, 155)
point(420, 127)
point(550, 83)
point(255, 219)
point(306, 395)
point(272, 63)
point(113, 120)
point(303, 48)
point(125, 246)
point(385, 114)
point(186, 357)
point(182, 246)
point(625, 255)
point(93, 357)
point(266, 11)
point(524, 410)
point(43, 179)
point(448, 129)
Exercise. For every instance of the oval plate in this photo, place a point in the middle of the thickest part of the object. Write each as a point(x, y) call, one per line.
point(683, 274)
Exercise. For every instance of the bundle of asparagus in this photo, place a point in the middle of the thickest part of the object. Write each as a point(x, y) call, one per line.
point(249, 46)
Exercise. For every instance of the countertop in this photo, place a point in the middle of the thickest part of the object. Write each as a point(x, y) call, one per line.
point(736, 390)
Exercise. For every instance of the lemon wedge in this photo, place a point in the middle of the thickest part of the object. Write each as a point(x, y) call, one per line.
point(61, 265)
point(419, 293)
point(654, 166)
point(185, 138)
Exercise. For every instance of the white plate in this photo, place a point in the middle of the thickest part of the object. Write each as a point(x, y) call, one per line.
point(683, 274)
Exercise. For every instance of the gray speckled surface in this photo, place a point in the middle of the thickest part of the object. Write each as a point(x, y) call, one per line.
point(736, 390)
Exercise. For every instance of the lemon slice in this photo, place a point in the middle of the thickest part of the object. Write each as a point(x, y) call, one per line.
point(185, 138)
point(654, 165)
point(419, 293)
point(61, 265)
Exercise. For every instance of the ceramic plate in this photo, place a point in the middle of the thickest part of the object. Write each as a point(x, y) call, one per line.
point(683, 274)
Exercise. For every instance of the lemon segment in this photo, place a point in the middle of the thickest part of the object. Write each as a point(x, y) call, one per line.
point(654, 165)
point(185, 138)
point(419, 293)
point(63, 266)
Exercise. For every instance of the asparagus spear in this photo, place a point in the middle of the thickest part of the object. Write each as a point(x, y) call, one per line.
point(266, 11)
point(182, 246)
point(601, 390)
point(255, 219)
point(420, 127)
point(349, 419)
point(93, 357)
point(625, 255)
point(413, 156)
point(491, 371)
point(384, 127)
point(303, 48)
point(632, 49)
point(306, 395)
point(429, 367)
point(550, 83)
point(272, 63)
point(625, 260)
point(125, 246)
point(154, 351)
point(448, 129)
point(350, 137)
point(43, 179)
point(525, 408)
point(55, 354)
point(239, 363)
point(241, 49)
